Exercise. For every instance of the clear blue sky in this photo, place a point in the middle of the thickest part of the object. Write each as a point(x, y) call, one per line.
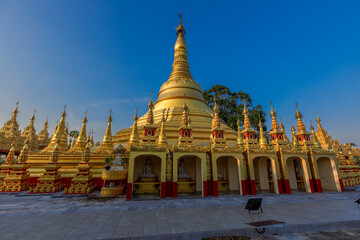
point(99, 54)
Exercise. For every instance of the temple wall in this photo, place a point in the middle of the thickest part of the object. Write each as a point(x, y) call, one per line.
point(260, 167)
point(326, 174)
point(233, 174)
point(291, 173)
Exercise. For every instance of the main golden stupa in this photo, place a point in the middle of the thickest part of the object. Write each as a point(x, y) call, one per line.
point(182, 147)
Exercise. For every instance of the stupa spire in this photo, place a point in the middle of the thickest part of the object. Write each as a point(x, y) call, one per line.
point(295, 141)
point(23, 156)
point(298, 116)
point(239, 141)
point(11, 155)
point(318, 121)
point(134, 137)
point(274, 123)
point(44, 134)
point(180, 65)
point(314, 137)
point(162, 136)
point(59, 135)
point(216, 119)
point(282, 128)
point(262, 138)
point(81, 140)
point(247, 123)
point(150, 115)
point(107, 143)
point(185, 119)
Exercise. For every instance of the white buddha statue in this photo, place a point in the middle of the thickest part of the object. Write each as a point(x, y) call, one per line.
point(148, 173)
point(182, 173)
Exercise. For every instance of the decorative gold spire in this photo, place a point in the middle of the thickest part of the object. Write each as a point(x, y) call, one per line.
point(55, 154)
point(314, 138)
point(92, 137)
point(150, 115)
point(247, 123)
point(216, 119)
point(274, 123)
point(86, 154)
point(23, 156)
point(162, 136)
point(11, 155)
point(134, 137)
point(81, 140)
point(107, 144)
point(180, 81)
point(295, 141)
point(60, 134)
point(44, 134)
point(30, 132)
point(318, 121)
point(239, 141)
point(282, 128)
point(185, 121)
point(262, 138)
point(11, 127)
point(298, 116)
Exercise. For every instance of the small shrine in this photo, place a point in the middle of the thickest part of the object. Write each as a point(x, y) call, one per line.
point(148, 181)
point(17, 179)
point(50, 181)
point(185, 184)
point(82, 182)
point(9, 161)
point(114, 178)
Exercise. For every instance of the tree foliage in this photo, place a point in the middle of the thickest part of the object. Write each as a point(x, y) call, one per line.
point(231, 106)
point(74, 133)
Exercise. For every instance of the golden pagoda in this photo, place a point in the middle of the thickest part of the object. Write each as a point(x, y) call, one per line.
point(17, 178)
point(82, 182)
point(50, 181)
point(181, 147)
point(10, 134)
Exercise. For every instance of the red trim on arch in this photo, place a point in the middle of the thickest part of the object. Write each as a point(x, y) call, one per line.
point(205, 188)
point(174, 190)
point(280, 186)
point(163, 190)
point(318, 185)
point(311, 181)
point(215, 188)
point(252, 187)
point(244, 187)
point(341, 185)
point(129, 191)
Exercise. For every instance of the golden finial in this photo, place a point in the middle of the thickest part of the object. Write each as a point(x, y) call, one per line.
point(180, 28)
point(63, 114)
point(85, 118)
point(311, 126)
point(136, 116)
point(110, 118)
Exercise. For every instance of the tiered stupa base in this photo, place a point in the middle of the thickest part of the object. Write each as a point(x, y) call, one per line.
point(17, 180)
point(82, 182)
point(4, 171)
point(49, 182)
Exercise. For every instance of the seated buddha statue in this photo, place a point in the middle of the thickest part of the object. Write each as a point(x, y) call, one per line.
point(148, 173)
point(220, 177)
point(182, 173)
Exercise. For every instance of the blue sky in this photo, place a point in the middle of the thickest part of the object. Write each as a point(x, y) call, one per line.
point(97, 55)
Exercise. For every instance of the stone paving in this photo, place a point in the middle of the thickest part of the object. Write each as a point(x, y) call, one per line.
point(53, 216)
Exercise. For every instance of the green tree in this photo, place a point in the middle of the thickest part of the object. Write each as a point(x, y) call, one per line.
point(231, 106)
point(74, 133)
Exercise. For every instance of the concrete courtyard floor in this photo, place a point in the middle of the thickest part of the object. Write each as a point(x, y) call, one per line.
point(54, 216)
